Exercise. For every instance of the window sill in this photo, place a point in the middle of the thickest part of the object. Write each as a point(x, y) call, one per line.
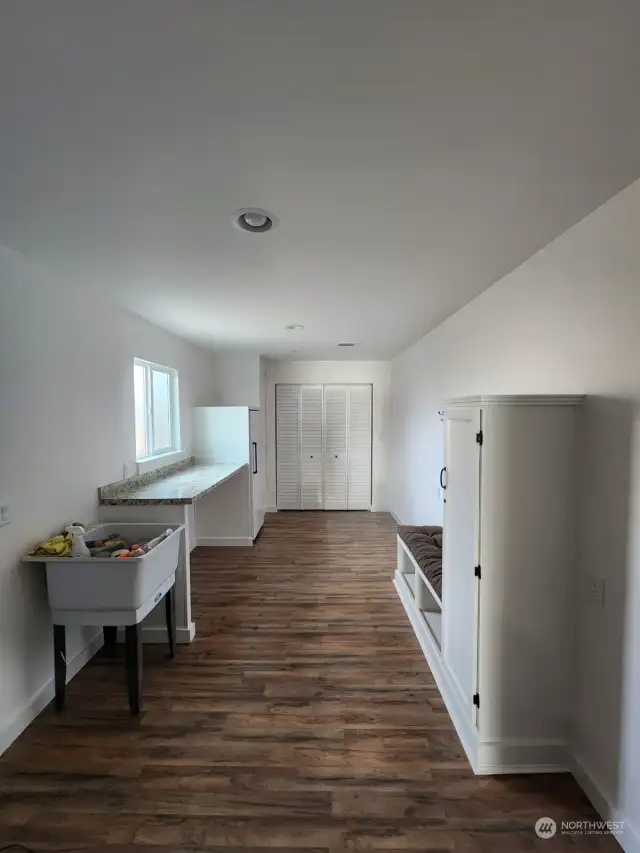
point(150, 463)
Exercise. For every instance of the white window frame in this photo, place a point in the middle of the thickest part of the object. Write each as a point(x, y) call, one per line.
point(174, 414)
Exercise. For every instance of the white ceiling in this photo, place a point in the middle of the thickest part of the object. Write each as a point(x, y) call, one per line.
point(414, 152)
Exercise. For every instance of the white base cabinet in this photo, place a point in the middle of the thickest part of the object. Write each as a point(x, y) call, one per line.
point(502, 662)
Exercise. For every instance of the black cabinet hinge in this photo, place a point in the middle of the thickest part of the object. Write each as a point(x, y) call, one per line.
point(477, 572)
point(476, 700)
point(480, 437)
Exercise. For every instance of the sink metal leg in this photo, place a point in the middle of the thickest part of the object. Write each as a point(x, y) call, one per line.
point(60, 664)
point(110, 635)
point(133, 653)
point(170, 610)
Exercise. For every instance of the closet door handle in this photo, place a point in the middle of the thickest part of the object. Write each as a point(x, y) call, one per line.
point(255, 456)
point(442, 482)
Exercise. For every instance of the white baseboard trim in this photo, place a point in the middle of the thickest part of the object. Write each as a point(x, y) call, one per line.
point(522, 755)
point(394, 516)
point(224, 541)
point(434, 659)
point(271, 509)
point(159, 634)
point(629, 838)
point(41, 699)
point(592, 788)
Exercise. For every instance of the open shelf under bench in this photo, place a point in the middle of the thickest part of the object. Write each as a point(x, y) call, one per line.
point(426, 599)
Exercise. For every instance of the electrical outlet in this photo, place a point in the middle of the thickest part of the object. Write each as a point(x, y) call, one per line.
point(597, 590)
point(5, 516)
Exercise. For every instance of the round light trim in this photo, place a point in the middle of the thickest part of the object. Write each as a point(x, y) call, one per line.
point(253, 220)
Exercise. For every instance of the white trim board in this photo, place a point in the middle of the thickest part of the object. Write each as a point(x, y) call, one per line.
point(629, 840)
point(157, 634)
point(46, 694)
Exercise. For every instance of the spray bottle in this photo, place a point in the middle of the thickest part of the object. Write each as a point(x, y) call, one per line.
point(79, 547)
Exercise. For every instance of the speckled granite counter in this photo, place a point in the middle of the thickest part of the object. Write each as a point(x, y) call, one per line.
point(183, 487)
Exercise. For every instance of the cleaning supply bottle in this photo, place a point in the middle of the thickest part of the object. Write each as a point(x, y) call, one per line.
point(158, 539)
point(79, 546)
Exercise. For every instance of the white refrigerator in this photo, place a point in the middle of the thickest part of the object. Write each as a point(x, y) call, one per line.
point(234, 435)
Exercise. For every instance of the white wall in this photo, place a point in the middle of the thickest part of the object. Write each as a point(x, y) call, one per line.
point(567, 320)
point(325, 372)
point(66, 427)
point(237, 379)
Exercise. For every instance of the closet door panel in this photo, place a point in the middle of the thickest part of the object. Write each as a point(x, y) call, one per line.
point(335, 447)
point(359, 447)
point(461, 551)
point(288, 446)
point(311, 446)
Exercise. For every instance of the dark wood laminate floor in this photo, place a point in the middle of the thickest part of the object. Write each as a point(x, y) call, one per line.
point(303, 717)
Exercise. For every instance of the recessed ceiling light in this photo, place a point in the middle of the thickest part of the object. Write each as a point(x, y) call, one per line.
point(254, 220)
point(346, 345)
point(294, 327)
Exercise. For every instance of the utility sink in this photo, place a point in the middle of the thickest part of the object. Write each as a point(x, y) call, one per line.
point(108, 583)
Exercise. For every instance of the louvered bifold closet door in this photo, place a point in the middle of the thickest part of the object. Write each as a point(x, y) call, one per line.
point(311, 446)
point(359, 446)
point(335, 447)
point(288, 446)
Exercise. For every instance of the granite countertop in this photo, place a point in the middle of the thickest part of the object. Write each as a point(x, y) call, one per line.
point(183, 487)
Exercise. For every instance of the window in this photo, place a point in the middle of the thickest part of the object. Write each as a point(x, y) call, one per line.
point(156, 409)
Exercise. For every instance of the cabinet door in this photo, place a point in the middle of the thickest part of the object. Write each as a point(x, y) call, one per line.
point(311, 446)
point(335, 447)
point(288, 446)
point(461, 551)
point(359, 446)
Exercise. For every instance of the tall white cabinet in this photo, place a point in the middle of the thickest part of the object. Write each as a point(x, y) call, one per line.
point(501, 658)
point(323, 446)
